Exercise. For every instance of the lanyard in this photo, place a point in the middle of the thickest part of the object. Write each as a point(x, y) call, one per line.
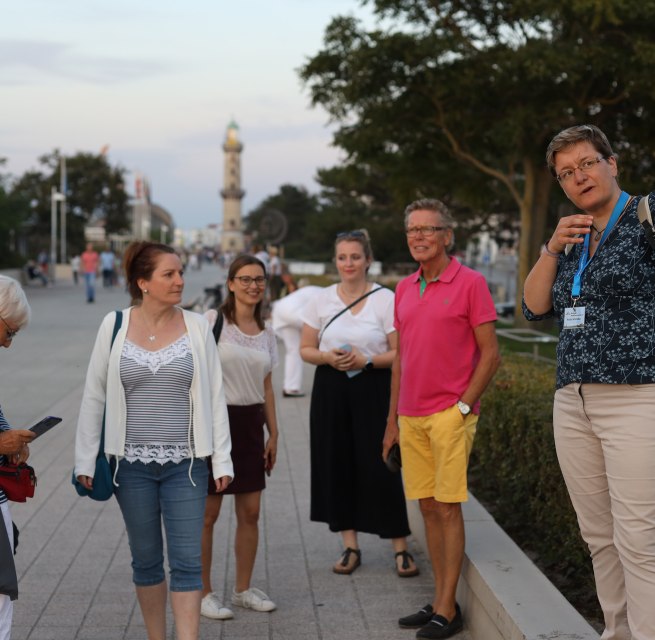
point(584, 256)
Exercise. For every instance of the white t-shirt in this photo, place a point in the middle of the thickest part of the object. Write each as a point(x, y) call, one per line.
point(367, 330)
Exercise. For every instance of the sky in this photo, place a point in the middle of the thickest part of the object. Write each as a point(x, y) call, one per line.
point(158, 81)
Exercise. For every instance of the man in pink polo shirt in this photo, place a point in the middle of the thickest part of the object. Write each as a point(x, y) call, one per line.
point(447, 354)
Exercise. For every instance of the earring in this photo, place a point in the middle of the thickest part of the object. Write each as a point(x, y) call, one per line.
point(145, 291)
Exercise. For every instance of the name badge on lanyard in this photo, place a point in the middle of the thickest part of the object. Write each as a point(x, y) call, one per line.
point(574, 316)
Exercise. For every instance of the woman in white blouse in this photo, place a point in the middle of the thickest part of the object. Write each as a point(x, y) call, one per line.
point(159, 386)
point(248, 353)
point(353, 348)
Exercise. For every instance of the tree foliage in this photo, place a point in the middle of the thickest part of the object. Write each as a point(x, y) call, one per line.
point(459, 99)
point(94, 192)
point(13, 212)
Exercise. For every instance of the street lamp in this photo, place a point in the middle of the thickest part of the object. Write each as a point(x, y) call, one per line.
point(55, 197)
point(63, 188)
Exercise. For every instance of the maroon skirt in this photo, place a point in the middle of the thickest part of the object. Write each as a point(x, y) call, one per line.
point(247, 433)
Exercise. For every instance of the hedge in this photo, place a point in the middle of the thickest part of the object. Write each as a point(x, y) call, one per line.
point(514, 472)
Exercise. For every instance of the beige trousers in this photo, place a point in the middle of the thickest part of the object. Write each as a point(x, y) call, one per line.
point(605, 440)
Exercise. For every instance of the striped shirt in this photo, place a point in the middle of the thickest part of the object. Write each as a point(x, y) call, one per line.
point(158, 397)
point(4, 426)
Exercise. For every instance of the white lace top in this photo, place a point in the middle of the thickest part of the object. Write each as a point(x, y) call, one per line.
point(157, 393)
point(246, 361)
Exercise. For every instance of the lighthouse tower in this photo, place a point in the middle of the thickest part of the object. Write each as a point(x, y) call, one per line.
point(232, 193)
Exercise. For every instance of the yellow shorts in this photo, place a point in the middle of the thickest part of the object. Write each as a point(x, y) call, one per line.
point(435, 452)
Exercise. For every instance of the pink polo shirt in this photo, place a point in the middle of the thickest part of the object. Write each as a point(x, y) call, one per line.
point(438, 351)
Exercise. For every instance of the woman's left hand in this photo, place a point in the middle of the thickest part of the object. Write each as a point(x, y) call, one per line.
point(270, 454)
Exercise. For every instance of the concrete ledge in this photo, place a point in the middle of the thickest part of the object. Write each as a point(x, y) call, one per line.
point(504, 595)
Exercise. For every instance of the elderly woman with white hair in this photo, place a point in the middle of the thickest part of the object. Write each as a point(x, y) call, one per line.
point(14, 315)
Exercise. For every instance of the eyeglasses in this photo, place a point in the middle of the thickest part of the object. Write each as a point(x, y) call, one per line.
point(10, 333)
point(426, 232)
point(585, 166)
point(246, 281)
point(350, 234)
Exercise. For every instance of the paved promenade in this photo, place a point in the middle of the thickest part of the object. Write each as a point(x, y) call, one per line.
point(73, 559)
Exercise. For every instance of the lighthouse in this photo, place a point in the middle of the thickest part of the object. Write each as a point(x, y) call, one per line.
point(232, 193)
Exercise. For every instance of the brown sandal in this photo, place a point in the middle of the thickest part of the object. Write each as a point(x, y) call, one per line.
point(405, 570)
point(349, 561)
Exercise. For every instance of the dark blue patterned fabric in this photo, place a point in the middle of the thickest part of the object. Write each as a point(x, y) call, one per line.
point(617, 343)
point(4, 425)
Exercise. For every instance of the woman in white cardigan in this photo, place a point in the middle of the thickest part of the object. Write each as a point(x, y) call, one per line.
point(160, 387)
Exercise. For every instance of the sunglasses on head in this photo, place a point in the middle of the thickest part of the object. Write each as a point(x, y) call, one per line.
point(351, 234)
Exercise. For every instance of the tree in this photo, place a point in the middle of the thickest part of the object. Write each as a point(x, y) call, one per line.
point(460, 98)
point(297, 205)
point(13, 213)
point(94, 191)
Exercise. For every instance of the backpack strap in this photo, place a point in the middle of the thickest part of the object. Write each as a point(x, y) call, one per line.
point(218, 326)
point(646, 220)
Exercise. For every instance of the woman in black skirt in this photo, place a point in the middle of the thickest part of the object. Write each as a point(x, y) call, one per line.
point(352, 489)
point(248, 352)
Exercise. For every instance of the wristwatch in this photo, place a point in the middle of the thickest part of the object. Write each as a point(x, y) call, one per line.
point(369, 364)
point(464, 408)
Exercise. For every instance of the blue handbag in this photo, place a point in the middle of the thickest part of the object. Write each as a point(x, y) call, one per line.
point(103, 483)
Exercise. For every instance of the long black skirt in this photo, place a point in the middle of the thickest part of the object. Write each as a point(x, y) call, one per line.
point(351, 486)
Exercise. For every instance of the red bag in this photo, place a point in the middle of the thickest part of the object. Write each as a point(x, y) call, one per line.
point(17, 481)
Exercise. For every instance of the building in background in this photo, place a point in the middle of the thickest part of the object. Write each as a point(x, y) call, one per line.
point(232, 240)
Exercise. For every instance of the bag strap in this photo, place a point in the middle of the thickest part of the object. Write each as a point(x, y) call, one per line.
point(352, 304)
point(118, 321)
point(646, 220)
point(218, 326)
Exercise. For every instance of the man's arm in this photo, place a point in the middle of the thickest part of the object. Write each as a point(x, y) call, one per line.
point(485, 336)
point(392, 431)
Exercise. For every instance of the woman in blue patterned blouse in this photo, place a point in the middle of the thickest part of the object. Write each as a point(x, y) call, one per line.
point(596, 275)
point(14, 315)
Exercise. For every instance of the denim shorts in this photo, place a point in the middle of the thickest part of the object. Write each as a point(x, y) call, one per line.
point(149, 494)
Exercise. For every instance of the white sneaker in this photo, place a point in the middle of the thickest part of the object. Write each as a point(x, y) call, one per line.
point(212, 607)
point(253, 599)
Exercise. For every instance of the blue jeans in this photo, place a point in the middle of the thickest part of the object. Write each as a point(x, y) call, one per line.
point(151, 493)
point(90, 280)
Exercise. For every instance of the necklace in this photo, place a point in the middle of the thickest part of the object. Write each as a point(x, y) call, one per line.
point(152, 337)
point(598, 232)
point(351, 297)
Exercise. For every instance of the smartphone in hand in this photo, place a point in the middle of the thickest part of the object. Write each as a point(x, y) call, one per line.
point(44, 425)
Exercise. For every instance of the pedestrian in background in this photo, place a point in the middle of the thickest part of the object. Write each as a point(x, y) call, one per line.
point(75, 268)
point(107, 265)
point(287, 323)
point(248, 353)
point(348, 333)
point(89, 260)
point(447, 355)
point(596, 275)
point(275, 281)
point(14, 315)
point(160, 389)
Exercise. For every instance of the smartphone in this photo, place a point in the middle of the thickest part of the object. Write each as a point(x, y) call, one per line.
point(44, 425)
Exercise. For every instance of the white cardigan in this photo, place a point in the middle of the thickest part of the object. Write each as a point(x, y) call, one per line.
point(211, 429)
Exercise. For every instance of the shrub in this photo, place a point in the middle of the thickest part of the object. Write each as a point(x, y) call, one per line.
point(514, 472)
